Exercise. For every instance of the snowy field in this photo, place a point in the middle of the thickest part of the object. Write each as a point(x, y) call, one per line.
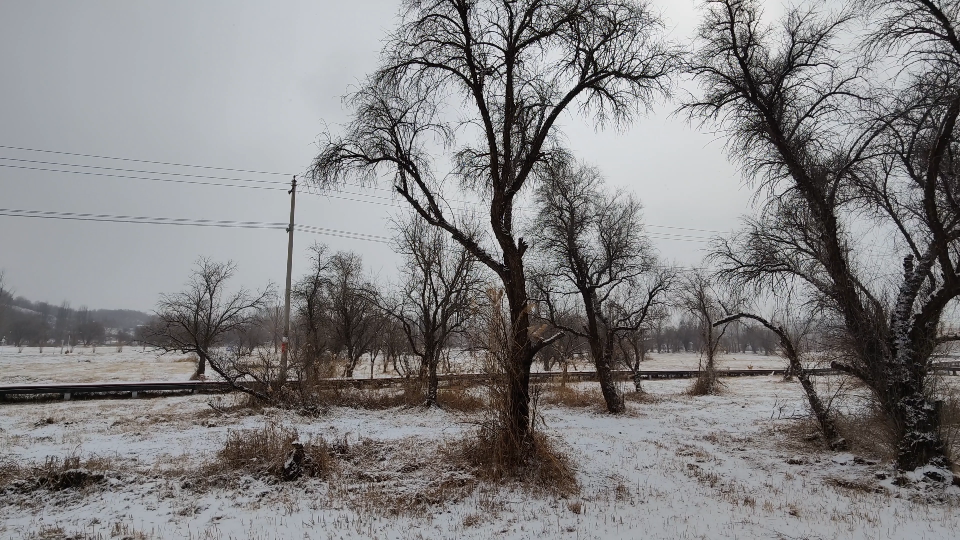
point(731, 466)
point(105, 364)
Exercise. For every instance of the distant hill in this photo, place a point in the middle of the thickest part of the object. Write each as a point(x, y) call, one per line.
point(23, 321)
point(125, 319)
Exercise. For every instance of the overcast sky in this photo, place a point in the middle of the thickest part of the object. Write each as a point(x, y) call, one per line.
point(244, 85)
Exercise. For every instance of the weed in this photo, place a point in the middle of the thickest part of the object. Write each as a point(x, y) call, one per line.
point(54, 474)
point(270, 451)
point(571, 396)
point(538, 464)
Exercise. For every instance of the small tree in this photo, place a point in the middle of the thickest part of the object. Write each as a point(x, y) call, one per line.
point(632, 343)
point(354, 317)
point(197, 319)
point(441, 283)
point(311, 307)
point(593, 247)
point(791, 338)
point(699, 297)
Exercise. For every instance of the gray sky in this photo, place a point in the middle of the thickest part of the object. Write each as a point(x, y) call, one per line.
point(244, 85)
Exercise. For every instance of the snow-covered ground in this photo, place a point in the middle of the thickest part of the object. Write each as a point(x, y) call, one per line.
point(729, 466)
point(85, 364)
point(105, 364)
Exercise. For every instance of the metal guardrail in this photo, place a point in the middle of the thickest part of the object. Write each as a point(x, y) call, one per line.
point(134, 389)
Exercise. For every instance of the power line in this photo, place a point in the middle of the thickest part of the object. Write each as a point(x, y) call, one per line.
point(150, 220)
point(209, 167)
point(146, 220)
point(140, 171)
point(169, 180)
point(141, 160)
point(685, 228)
point(279, 185)
point(337, 232)
point(274, 186)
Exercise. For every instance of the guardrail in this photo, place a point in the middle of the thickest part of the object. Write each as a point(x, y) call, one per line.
point(134, 389)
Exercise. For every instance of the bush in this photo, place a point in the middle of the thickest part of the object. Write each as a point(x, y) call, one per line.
point(276, 451)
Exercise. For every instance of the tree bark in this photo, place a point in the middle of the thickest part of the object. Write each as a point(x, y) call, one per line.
point(520, 350)
point(201, 363)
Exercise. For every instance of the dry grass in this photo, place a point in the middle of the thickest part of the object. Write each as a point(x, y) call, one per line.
point(869, 433)
point(398, 478)
point(54, 474)
point(409, 395)
point(707, 383)
point(462, 397)
point(641, 397)
point(265, 452)
point(491, 455)
point(118, 530)
point(572, 396)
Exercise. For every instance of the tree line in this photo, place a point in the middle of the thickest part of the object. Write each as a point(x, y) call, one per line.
point(24, 323)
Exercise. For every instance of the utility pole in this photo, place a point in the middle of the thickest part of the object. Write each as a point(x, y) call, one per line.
point(285, 345)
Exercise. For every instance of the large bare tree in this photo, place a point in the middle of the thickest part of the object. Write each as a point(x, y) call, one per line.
point(593, 247)
point(197, 319)
point(440, 286)
point(485, 82)
point(799, 119)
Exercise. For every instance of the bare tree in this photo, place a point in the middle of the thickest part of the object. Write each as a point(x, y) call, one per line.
point(353, 314)
point(440, 284)
point(197, 319)
point(699, 297)
point(798, 119)
point(312, 310)
point(396, 349)
point(61, 327)
point(633, 343)
point(791, 339)
point(593, 247)
point(517, 66)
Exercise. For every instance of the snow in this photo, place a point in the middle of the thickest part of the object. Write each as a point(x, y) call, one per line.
point(728, 466)
point(85, 364)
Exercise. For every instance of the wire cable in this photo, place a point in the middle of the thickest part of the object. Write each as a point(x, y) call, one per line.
point(140, 171)
point(146, 220)
point(141, 160)
point(150, 220)
point(278, 185)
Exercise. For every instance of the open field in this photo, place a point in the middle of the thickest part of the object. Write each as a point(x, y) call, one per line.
point(737, 465)
point(136, 364)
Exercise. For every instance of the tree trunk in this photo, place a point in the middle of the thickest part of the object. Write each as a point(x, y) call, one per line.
point(608, 387)
point(201, 363)
point(827, 427)
point(520, 355)
point(432, 382)
point(912, 341)
point(917, 418)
